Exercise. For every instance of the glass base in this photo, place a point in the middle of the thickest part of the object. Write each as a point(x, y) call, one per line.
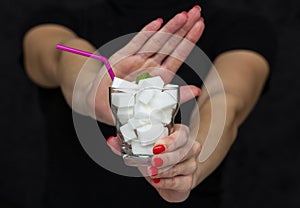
point(137, 160)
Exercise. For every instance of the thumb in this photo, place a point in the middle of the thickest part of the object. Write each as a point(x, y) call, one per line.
point(114, 144)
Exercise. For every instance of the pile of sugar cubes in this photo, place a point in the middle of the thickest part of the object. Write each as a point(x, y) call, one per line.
point(144, 110)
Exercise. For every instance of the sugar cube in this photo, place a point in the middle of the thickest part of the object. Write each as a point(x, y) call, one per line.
point(124, 114)
point(122, 83)
point(128, 133)
point(164, 116)
point(137, 148)
point(156, 82)
point(122, 99)
point(149, 133)
point(142, 111)
point(145, 96)
point(136, 123)
point(162, 100)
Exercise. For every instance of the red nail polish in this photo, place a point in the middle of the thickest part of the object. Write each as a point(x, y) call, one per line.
point(158, 149)
point(199, 92)
point(197, 7)
point(157, 162)
point(109, 138)
point(156, 180)
point(153, 171)
point(160, 20)
point(185, 13)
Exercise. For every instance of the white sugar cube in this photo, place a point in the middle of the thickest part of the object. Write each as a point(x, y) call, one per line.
point(136, 123)
point(122, 83)
point(163, 100)
point(137, 148)
point(124, 114)
point(122, 99)
point(151, 82)
point(149, 133)
point(145, 96)
point(164, 116)
point(128, 133)
point(142, 111)
point(165, 132)
point(171, 86)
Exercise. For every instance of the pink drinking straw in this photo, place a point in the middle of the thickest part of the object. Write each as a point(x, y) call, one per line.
point(88, 54)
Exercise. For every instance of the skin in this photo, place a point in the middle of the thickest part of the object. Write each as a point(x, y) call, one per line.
point(242, 72)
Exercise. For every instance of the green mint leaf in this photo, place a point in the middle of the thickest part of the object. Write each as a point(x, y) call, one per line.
point(142, 76)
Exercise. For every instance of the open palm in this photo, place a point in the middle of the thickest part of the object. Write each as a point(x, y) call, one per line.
point(161, 50)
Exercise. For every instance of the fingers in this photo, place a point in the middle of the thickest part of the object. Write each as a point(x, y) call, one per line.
point(159, 39)
point(169, 159)
point(185, 168)
point(141, 38)
point(170, 45)
point(188, 92)
point(175, 60)
point(171, 142)
point(180, 183)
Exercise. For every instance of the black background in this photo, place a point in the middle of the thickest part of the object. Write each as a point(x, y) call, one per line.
point(262, 167)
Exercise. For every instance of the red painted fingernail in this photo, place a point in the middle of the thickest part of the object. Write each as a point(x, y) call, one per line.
point(160, 20)
point(156, 180)
point(197, 7)
point(109, 138)
point(158, 149)
point(153, 171)
point(199, 92)
point(157, 162)
point(185, 13)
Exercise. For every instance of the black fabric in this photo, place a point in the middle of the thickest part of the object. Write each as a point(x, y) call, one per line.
point(73, 179)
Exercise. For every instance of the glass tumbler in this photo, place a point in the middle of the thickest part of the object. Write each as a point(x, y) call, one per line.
point(142, 117)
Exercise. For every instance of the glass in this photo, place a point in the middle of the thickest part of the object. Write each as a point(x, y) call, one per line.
point(143, 116)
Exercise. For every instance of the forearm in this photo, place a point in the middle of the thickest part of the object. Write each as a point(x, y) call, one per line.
point(243, 76)
point(49, 67)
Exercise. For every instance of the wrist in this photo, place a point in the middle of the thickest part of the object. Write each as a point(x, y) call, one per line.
point(75, 75)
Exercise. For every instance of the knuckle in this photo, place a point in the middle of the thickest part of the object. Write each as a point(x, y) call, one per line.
point(173, 183)
point(166, 159)
point(197, 147)
point(182, 153)
point(193, 165)
point(174, 171)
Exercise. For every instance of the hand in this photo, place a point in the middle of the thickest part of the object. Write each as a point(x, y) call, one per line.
point(175, 166)
point(152, 47)
point(174, 170)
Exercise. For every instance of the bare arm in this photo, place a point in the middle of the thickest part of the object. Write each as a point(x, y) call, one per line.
point(42, 60)
point(49, 67)
point(243, 74)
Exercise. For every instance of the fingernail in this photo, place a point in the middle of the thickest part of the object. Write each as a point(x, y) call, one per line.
point(197, 7)
point(185, 13)
point(199, 92)
point(160, 20)
point(152, 171)
point(157, 162)
point(109, 138)
point(158, 149)
point(156, 180)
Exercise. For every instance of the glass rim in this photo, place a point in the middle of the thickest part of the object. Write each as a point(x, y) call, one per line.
point(138, 89)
